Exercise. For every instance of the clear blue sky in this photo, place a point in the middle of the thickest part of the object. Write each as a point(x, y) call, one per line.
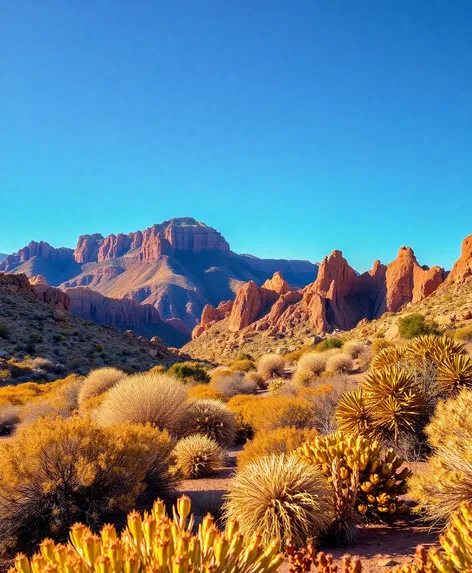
point(293, 127)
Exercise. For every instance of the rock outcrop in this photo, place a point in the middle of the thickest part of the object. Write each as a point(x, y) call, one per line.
point(337, 299)
point(52, 296)
point(36, 249)
point(463, 266)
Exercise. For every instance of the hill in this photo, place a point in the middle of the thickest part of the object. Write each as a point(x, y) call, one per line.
point(275, 317)
point(178, 267)
point(36, 328)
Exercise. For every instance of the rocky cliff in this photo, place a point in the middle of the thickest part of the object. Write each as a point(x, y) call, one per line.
point(178, 267)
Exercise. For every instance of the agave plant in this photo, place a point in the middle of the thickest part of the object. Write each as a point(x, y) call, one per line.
point(387, 357)
point(352, 414)
point(394, 399)
point(455, 373)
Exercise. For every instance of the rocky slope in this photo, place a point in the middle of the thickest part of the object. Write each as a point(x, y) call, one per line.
point(2, 256)
point(35, 323)
point(178, 267)
point(338, 300)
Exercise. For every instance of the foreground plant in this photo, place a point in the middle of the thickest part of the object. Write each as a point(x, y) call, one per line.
point(155, 542)
point(361, 476)
point(283, 497)
point(197, 456)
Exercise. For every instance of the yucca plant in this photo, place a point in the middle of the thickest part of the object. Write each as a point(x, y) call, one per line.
point(382, 475)
point(394, 399)
point(352, 414)
point(392, 355)
point(155, 542)
point(432, 348)
point(455, 373)
point(283, 497)
point(197, 456)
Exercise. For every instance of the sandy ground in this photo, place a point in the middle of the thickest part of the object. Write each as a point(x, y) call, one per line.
point(381, 548)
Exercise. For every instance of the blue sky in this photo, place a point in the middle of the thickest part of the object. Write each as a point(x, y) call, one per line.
point(294, 128)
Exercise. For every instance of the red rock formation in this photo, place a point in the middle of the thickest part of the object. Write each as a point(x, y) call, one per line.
point(39, 249)
point(16, 283)
point(91, 305)
point(52, 296)
point(463, 266)
point(212, 315)
point(87, 248)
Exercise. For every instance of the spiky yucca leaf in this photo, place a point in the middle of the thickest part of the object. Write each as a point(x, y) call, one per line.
point(455, 373)
point(281, 496)
point(352, 414)
point(387, 357)
point(432, 348)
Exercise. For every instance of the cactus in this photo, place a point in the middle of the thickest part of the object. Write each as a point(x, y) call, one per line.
point(155, 542)
point(455, 373)
point(381, 481)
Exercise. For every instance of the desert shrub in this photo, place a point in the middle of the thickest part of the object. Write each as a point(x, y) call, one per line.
point(74, 470)
point(354, 348)
point(9, 419)
point(271, 412)
point(244, 365)
point(464, 333)
point(204, 391)
point(303, 378)
point(275, 385)
point(89, 406)
point(211, 418)
point(282, 497)
point(415, 325)
point(4, 331)
point(280, 441)
point(207, 549)
point(329, 344)
point(448, 481)
point(189, 372)
point(158, 369)
point(40, 363)
point(339, 363)
point(271, 365)
point(288, 388)
point(294, 356)
point(197, 456)
point(233, 384)
point(244, 430)
point(312, 362)
point(99, 381)
point(362, 477)
point(155, 398)
point(254, 378)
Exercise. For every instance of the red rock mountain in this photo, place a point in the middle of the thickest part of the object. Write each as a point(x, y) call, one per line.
point(178, 267)
point(337, 299)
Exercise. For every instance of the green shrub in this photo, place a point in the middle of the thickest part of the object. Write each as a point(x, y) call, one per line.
point(189, 371)
point(329, 344)
point(415, 325)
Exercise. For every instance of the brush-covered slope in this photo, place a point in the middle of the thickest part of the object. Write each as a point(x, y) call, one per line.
point(35, 322)
point(178, 266)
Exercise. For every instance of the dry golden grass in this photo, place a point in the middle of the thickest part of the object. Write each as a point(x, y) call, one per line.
point(211, 418)
point(99, 381)
point(197, 456)
point(155, 398)
point(271, 365)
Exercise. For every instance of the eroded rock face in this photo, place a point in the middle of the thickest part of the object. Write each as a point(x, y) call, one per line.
point(16, 283)
point(52, 296)
point(91, 305)
point(184, 234)
point(212, 315)
point(36, 249)
point(463, 267)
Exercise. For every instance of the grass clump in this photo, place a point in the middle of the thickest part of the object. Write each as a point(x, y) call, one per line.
point(464, 333)
point(279, 441)
point(197, 456)
point(189, 372)
point(271, 366)
point(99, 381)
point(211, 418)
point(312, 362)
point(158, 399)
point(354, 348)
point(282, 497)
point(233, 383)
point(339, 363)
point(204, 392)
point(414, 325)
point(73, 470)
point(329, 344)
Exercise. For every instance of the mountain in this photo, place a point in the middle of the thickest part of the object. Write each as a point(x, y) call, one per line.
point(178, 266)
point(2, 256)
point(277, 316)
point(36, 322)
